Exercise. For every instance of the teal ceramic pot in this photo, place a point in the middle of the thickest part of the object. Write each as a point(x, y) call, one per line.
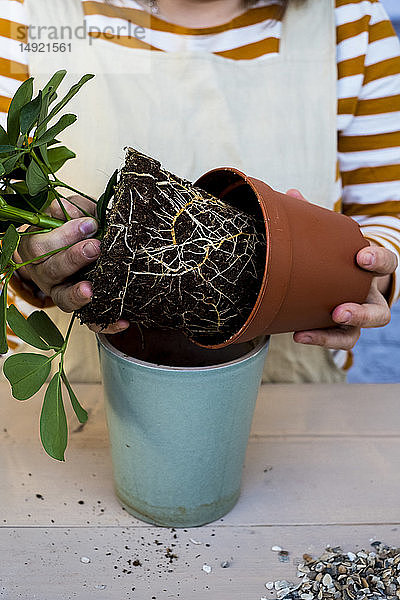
point(178, 435)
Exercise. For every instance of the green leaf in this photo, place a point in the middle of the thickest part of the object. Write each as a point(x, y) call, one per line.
point(27, 373)
point(53, 143)
point(22, 96)
point(104, 199)
point(36, 180)
point(50, 134)
point(50, 197)
point(9, 244)
point(54, 82)
point(43, 152)
point(53, 421)
point(3, 322)
point(74, 90)
point(43, 113)
point(24, 329)
point(42, 323)
point(7, 149)
point(30, 114)
point(57, 157)
point(21, 187)
point(79, 411)
point(3, 136)
point(10, 163)
point(38, 201)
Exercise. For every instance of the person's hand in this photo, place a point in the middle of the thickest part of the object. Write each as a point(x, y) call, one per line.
point(351, 317)
point(52, 274)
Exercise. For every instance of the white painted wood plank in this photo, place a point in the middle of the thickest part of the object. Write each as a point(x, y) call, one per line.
point(341, 410)
point(44, 563)
point(332, 481)
point(323, 480)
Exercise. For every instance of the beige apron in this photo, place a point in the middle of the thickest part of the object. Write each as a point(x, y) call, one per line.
point(275, 119)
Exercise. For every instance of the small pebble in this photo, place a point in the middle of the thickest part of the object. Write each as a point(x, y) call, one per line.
point(327, 580)
point(225, 564)
point(207, 569)
point(269, 585)
point(85, 560)
point(283, 556)
point(351, 556)
point(195, 542)
point(100, 586)
point(366, 575)
point(276, 549)
point(307, 557)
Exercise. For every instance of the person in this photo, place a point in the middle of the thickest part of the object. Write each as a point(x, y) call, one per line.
point(202, 83)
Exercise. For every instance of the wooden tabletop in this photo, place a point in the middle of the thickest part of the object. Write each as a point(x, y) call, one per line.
point(322, 467)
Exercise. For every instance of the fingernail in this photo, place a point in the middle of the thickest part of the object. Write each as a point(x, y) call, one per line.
point(368, 259)
point(88, 226)
point(90, 250)
point(85, 291)
point(307, 339)
point(345, 317)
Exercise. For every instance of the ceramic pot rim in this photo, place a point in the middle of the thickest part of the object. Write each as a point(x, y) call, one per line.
point(106, 344)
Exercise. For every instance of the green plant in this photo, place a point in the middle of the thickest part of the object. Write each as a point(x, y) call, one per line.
point(187, 260)
point(30, 155)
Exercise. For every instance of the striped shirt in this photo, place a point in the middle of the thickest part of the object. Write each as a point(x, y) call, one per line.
point(368, 90)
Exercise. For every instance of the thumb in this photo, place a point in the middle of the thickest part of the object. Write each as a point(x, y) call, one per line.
point(296, 194)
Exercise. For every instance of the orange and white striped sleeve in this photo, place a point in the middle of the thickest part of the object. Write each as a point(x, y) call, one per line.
point(13, 71)
point(13, 61)
point(368, 58)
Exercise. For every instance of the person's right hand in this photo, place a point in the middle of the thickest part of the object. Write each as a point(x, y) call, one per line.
point(52, 274)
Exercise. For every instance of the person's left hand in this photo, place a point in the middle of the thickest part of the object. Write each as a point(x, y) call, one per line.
point(352, 317)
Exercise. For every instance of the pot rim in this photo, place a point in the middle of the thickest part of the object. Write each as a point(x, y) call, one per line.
point(106, 344)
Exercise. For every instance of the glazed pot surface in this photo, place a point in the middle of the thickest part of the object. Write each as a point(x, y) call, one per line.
point(178, 435)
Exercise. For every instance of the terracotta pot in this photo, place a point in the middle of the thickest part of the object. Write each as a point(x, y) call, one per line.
point(310, 263)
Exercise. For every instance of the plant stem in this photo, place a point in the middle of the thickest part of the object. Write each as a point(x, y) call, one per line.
point(57, 182)
point(45, 170)
point(61, 205)
point(34, 232)
point(65, 344)
point(69, 331)
point(83, 211)
point(9, 213)
point(33, 260)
